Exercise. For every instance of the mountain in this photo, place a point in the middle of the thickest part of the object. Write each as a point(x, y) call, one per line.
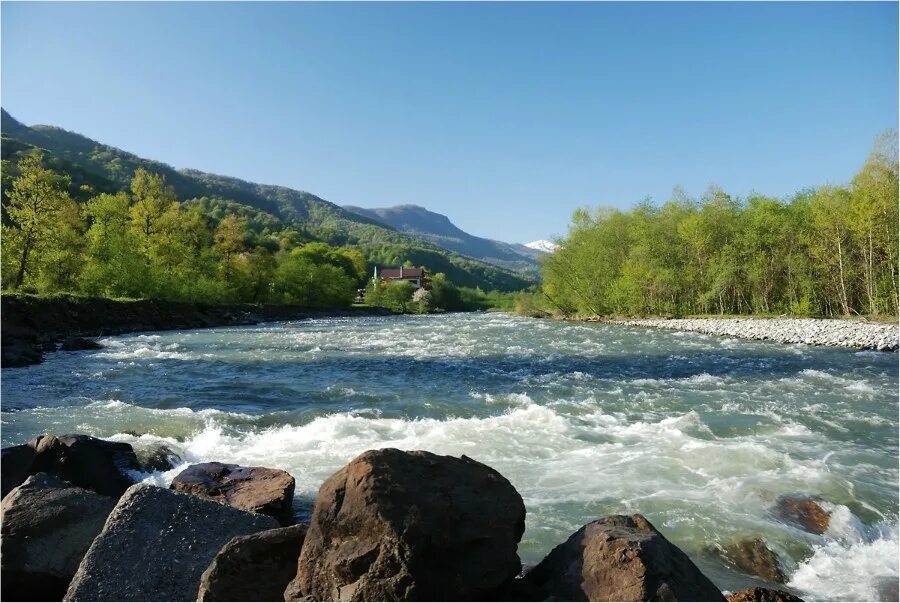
point(440, 231)
point(542, 245)
point(105, 169)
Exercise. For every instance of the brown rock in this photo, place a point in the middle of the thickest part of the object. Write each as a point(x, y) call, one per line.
point(753, 557)
point(803, 512)
point(254, 568)
point(620, 558)
point(47, 527)
point(255, 489)
point(411, 526)
point(763, 594)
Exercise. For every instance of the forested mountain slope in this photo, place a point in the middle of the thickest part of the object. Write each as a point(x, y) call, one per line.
point(103, 168)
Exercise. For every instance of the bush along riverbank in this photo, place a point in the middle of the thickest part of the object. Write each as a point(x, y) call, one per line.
point(33, 325)
point(75, 528)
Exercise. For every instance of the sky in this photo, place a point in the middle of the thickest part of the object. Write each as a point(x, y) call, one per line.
point(506, 117)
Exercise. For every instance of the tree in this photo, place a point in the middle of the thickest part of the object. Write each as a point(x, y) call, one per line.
point(113, 265)
point(42, 216)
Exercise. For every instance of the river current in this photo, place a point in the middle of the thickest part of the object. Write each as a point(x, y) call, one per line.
point(699, 433)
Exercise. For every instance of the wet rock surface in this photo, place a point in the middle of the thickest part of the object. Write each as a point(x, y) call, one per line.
point(755, 558)
point(156, 544)
point(803, 512)
point(71, 344)
point(811, 331)
point(255, 489)
point(762, 594)
point(47, 527)
point(620, 558)
point(254, 568)
point(404, 526)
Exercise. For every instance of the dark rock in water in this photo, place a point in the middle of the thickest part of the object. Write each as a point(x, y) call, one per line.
point(47, 527)
point(763, 594)
point(411, 526)
point(753, 557)
point(158, 458)
point(18, 353)
point(91, 463)
point(256, 489)
point(156, 544)
point(803, 512)
point(79, 343)
point(887, 588)
point(254, 568)
point(620, 558)
point(15, 466)
point(81, 460)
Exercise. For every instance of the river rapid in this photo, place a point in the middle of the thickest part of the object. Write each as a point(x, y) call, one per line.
point(699, 433)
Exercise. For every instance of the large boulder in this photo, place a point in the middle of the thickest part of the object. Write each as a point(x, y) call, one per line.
point(47, 526)
point(254, 568)
point(82, 460)
point(769, 595)
point(411, 526)
point(754, 557)
point(255, 489)
point(804, 512)
point(620, 558)
point(156, 544)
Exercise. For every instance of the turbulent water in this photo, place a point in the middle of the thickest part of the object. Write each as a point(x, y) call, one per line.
point(700, 434)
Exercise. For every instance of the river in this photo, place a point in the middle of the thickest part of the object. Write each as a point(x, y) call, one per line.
point(699, 433)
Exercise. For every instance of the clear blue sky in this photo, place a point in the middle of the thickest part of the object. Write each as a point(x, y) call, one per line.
point(505, 117)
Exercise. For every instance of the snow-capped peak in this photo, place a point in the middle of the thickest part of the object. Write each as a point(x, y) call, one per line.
point(543, 245)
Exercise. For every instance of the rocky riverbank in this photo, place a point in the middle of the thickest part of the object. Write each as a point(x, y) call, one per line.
point(34, 325)
point(856, 334)
point(389, 526)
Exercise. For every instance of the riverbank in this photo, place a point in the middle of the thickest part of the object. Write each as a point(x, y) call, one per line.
point(855, 334)
point(32, 325)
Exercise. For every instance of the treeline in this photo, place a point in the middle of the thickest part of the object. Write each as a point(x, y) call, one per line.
point(143, 243)
point(828, 251)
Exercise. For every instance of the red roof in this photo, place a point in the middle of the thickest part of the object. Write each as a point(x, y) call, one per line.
point(401, 272)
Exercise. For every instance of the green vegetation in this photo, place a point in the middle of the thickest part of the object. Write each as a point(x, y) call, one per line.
point(143, 243)
point(829, 251)
point(277, 217)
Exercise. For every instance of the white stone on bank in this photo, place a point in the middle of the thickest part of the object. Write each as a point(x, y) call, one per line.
point(810, 331)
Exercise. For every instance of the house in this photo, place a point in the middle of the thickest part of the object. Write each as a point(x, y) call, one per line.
point(417, 276)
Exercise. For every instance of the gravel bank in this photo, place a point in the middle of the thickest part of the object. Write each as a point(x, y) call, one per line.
point(811, 331)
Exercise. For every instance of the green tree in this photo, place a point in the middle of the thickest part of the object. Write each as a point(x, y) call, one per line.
point(43, 219)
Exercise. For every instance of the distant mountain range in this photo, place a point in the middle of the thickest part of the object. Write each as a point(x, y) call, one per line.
point(439, 230)
point(429, 239)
